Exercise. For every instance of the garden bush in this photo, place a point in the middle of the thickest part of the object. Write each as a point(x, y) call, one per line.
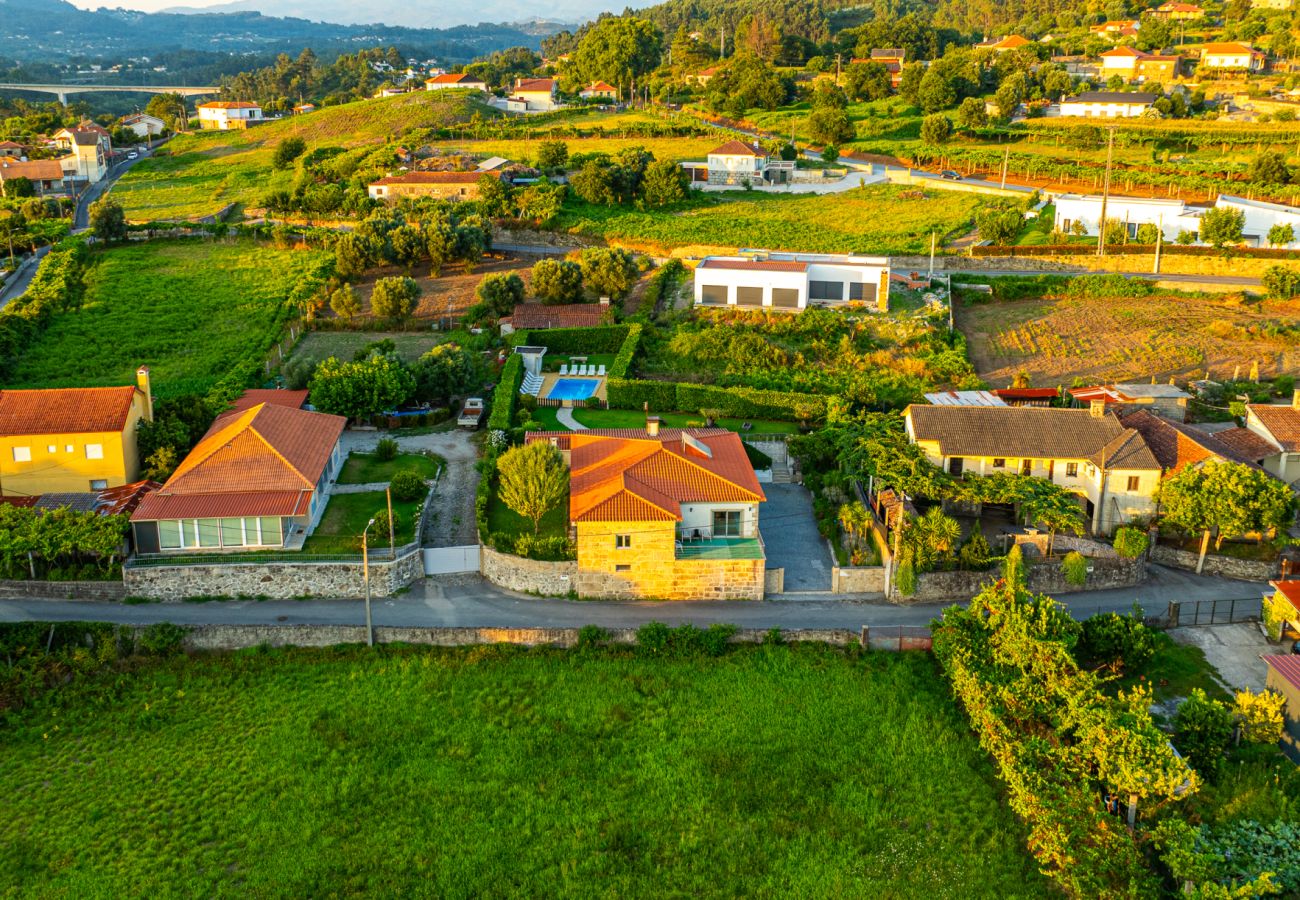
point(1259, 716)
point(1202, 731)
point(565, 341)
point(1075, 567)
point(1131, 542)
point(626, 352)
point(626, 393)
point(652, 638)
point(407, 485)
point(162, 639)
point(1122, 642)
point(503, 399)
point(380, 530)
point(591, 637)
point(386, 449)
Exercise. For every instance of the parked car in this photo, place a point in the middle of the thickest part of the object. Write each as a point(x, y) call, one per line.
point(133, 155)
point(471, 416)
point(950, 175)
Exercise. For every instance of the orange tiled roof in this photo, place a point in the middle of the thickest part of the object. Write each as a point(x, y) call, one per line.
point(1228, 49)
point(566, 315)
point(254, 396)
point(620, 475)
point(1290, 590)
point(1010, 42)
point(454, 78)
point(228, 104)
point(1176, 445)
point(736, 148)
point(602, 86)
point(534, 85)
point(263, 457)
point(34, 169)
point(65, 410)
point(1282, 422)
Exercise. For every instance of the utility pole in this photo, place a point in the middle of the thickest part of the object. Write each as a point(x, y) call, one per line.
point(1006, 158)
point(1160, 239)
point(1105, 194)
point(837, 69)
point(365, 576)
point(722, 42)
point(932, 243)
point(392, 544)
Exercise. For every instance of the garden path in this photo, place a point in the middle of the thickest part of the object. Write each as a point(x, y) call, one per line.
point(565, 417)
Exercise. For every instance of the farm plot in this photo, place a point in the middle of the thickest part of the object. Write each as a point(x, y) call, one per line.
point(768, 771)
point(196, 312)
point(1134, 339)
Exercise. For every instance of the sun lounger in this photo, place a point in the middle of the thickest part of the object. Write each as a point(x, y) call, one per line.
point(600, 371)
point(564, 369)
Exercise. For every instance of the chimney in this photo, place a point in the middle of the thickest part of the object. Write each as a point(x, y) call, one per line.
point(1097, 408)
point(652, 426)
point(142, 382)
point(1295, 399)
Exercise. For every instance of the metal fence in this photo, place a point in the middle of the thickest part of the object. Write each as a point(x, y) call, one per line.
point(1213, 612)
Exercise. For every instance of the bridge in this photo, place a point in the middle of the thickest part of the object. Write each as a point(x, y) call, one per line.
point(63, 90)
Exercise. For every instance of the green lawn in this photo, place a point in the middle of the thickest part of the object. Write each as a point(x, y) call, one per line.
point(768, 772)
point(365, 468)
point(872, 219)
point(503, 519)
point(346, 516)
point(194, 311)
point(553, 362)
point(633, 418)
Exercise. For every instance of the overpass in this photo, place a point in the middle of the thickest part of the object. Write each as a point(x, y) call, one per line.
point(63, 90)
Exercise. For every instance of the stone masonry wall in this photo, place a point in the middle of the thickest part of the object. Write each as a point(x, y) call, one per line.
point(236, 637)
point(1044, 577)
point(276, 580)
point(679, 579)
point(858, 580)
point(62, 590)
point(529, 576)
point(1224, 566)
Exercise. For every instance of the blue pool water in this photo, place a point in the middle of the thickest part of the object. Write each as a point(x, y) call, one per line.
point(573, 388)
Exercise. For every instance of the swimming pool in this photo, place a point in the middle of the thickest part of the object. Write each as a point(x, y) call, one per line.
point(573, 388)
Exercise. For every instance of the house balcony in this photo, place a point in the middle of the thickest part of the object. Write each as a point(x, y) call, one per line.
point(700, 543)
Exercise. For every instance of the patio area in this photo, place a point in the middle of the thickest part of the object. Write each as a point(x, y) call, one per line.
point(721, 548)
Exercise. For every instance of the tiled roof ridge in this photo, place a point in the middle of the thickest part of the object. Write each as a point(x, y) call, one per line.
point(700, 468)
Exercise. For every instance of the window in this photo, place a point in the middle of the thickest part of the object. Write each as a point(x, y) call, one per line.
point(749, 296)
point(1026, 467)
point(68, 448)
point(862, 291)
point(208, 531)
point(1071, 470)
point(713, 293)
point(785, 298)
point(825, 290)
point(622, 568)
point(999, 463)
point(52, 448)
point(955, 465)
point(232, 532)
point(94, 451)
point(726, 523)
point(22, 454)
point(98, 484)
point(271, 535)
point(169, 534)
point(1092, 470)
point(1133, 482)
point(622, 541)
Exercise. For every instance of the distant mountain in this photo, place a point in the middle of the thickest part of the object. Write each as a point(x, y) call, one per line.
point(411, 15)
point(53, 30)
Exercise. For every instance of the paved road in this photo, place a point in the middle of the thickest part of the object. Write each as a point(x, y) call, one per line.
point(793, 543)
point(468, 601)
point(81, 218)
point(16, 286)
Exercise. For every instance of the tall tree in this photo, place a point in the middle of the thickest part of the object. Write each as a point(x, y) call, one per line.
point(533, 480)
point(1225, 499)
point(619, 50)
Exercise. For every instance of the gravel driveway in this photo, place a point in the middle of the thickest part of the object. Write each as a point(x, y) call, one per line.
point(452, 522)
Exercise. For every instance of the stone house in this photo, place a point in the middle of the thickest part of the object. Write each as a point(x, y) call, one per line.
point(666, 514)
point(1087, 451)
point(442, 185)
point(1279, 427)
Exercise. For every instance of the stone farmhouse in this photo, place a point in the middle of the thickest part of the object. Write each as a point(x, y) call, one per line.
point(667, 514)
point(442, 185)
point(1088, 451)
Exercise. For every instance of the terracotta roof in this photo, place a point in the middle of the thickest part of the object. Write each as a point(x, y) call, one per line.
point(535, 85)
point(1228, 49)
point(754, 265)
point(1026, 393)
point(1290, 589)
point(1178, 7)
point(1286, 665)
point(1248, 446)
point(568, 315)
point(65, 410)
point(1010, 42)
point(124, 499)
point(1031, 432)
point(228, 104)
point(264, 457)
point(35, 169)
point(10, 145)
point(602, 86)
point(1126, 51)
point(709, 72)
point(737, 148)
point(254, 396)
point(1282, 422)
point(1176, 445)
point(453, 78)
point(433, 178)
point(627, 475)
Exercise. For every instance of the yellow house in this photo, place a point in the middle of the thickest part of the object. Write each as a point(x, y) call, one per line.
point(71, 440)
point(666, 514)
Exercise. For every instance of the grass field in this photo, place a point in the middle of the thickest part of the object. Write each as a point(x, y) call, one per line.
point(346, 517)
point(203, 172)
point(1118, 339)
point(318, 345)
point(193, 311)
point(366, 468)
point(631, 418)
point(770, 771)
point(872, 219)
point(503, 519)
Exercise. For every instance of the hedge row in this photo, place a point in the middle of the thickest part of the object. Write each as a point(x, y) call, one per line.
point(601, 339)
point(1142, 249)
point(732, 402)
point(503, 399)
point(57, 286)
point(627, 352)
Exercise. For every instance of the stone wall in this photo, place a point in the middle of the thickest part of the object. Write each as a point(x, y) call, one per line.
point(273, 580)
point(528, 576)
point(62, 590)
point(236, 637)
point(858, 580)
point(679, 579)
point(1044, 577)
point(773, 581)
point(1224, 566)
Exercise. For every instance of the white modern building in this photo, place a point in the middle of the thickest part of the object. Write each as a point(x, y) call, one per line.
point(791, 281)
point(1173, 216)
point(1261, 217)
point(1107, 104)
point(224, 115)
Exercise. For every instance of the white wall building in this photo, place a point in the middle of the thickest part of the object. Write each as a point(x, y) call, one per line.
point(224, 115)
point(790, 281)
point(1107, 104)
point(1260, 217)
point(143, 125)
point(1173, 216)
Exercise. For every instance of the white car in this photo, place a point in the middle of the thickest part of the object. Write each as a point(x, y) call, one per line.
point(133, 155)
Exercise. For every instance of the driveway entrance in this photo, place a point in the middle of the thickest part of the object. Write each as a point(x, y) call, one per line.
point(791, 539)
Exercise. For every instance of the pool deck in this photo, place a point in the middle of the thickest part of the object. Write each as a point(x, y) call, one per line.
point(549, 379)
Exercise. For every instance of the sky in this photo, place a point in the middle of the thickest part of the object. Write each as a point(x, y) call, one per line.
point(438, 14)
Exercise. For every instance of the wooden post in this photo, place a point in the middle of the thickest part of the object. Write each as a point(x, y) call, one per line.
point(392, 546)
point(1132, 810)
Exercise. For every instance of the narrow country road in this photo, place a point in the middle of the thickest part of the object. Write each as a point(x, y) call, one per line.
point(16, 286)
point(470, 602)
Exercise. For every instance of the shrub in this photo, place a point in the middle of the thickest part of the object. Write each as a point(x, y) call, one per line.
point(380, 530)
point(162, 639)
point(289, 150)
point(975, 554)
point(591, 636)
point(1123, 642)
point(626, 352)
point(653, 637)
point(773, 638)
point(1076, 568)
point(905, 580)
point(603, 339)
point(549, 549)
point(1259, 716)
point(757, 458)
point(557, 281)
point(1281, 282)
point(716, 638)
point(503, 399)
point(394, 298)
point(1202, 731)
point(407, 486)
point(1276, 612)
point(625, 393)
point(1101, 287)
point(1131, 542)
point(386, 449)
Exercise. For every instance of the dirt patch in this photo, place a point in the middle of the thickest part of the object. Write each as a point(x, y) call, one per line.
point(448, 295)
point(1056, 341)
point(318, 345)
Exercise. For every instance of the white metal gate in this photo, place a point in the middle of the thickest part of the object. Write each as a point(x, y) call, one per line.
point(448, 560)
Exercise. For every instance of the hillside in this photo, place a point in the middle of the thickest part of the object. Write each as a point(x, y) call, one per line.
point(200, 173)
